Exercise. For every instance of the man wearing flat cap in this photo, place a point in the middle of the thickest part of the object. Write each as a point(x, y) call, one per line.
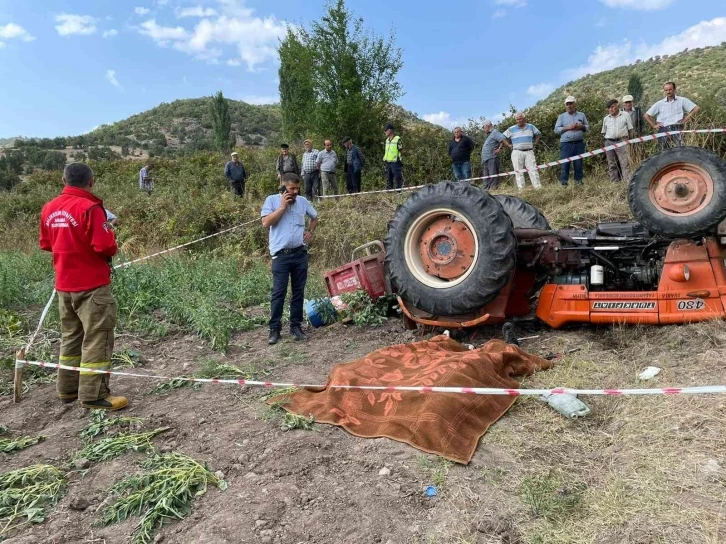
point(392, 158)
point(286, 163)
point(235, 173)
point(571, 126)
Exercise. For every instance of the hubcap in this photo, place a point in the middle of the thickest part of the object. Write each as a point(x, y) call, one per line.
point(681, 189)
point(441, 248)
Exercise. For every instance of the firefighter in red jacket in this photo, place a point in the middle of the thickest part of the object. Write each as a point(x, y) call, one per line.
point(73, 227)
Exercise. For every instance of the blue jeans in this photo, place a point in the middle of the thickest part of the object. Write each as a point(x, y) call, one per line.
point(295, 267)
point(569, 149)
point(462, 170)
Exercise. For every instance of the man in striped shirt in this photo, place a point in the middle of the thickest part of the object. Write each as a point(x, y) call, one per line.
point(521, 139)
point(310, 172)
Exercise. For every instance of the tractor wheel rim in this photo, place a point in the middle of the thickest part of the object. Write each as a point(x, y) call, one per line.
point(681, 189)
point(441, 248)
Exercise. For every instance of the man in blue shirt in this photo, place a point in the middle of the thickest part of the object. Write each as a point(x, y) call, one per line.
point(284, 214)
point(521, 139)
point(490, 155)
point(571, 126)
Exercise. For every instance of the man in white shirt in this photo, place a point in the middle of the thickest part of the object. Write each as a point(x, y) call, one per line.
point(669, 113)
point(616, 127)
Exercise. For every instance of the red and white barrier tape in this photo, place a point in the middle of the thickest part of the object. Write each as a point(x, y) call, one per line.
point(708, 389)
point(129, 263)
point(224, 231)
point(585, 155)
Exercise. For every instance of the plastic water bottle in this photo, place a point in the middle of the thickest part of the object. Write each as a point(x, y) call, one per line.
point(568, 405)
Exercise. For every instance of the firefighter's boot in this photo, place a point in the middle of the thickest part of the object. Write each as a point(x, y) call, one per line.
point(110, 403)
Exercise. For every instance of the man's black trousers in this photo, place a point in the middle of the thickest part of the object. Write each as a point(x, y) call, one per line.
point(237, 187)
point(295, 267)
point(353, 180)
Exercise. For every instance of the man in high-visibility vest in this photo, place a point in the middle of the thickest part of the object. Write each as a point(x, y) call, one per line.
point(392, 159)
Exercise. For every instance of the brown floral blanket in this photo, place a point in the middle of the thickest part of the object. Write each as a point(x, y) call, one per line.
point(446, 424)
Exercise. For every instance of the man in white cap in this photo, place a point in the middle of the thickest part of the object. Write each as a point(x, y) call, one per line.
point(235, 173)
point(571, 126)
point(634, 112)
point(617, 127)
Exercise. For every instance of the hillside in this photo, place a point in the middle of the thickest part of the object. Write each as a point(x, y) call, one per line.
point(699, 74)
point(187, 123)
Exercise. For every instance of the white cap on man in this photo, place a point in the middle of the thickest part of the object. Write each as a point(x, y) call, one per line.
point(234, 154)
point(570, 99)
point(628, 98)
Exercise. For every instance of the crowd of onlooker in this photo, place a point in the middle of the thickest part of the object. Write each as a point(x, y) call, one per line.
point(318, 168)
point(671, 113)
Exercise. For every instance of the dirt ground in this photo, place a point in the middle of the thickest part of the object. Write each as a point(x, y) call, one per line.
point(638, 470)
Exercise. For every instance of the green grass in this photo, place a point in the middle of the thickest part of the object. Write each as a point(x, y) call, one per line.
point(548, 497)
point(101, 423)
point(435, 468)
point(108, 448)
point(9, 445)
point(26, 494)
point(164, 491)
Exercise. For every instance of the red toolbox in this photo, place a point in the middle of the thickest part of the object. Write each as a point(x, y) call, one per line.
point(365, 273)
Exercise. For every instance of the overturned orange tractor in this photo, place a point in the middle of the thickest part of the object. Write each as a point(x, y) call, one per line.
point(457, 256)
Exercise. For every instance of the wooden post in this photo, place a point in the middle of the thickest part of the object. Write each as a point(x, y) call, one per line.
point(18, 383)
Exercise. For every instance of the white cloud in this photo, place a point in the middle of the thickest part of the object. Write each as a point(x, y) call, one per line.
point(110, 33)
point(257, 99)
point(642, 5)
point(196, 11)
point(253, 39)
point(540, 90)
point(499, 14)
point(141, 11)
point(162, 35)
point(444, 119)
point(602, 22)
point(12, 31)
point(75, 24)
point(511, 3)
point(233, 62)
point(607, 57)
point(111, 78)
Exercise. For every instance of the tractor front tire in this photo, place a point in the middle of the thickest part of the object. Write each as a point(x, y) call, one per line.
point(450, 249)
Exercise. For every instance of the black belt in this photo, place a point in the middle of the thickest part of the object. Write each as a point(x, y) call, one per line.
point(615, 139)
point(291, 250)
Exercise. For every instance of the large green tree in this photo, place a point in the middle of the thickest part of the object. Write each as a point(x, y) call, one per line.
point(221, 122)
point(337, 79)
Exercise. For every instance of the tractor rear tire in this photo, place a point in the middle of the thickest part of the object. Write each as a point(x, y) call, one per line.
point(680, 192)
point(450, 249)
point(523, 214)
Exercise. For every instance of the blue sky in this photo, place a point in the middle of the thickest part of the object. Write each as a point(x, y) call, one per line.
point(67, 66)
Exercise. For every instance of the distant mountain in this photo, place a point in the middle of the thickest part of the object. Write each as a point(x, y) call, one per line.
point(699, 73)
